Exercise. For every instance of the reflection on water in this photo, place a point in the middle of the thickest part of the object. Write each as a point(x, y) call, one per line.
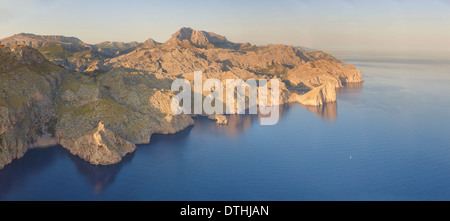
point(355, 87)
point(396, 155)
point(327, 111)
point(172, 139)
point(32, 163)
point(351, 91)
point(99, 176)
point(36, 160)
point(237, 123)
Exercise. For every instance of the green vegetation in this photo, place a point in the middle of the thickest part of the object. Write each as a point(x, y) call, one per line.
point(39, 132)
point(112, 108)
point(249, 48)
point(31, 140)
point(74, 83)
point(87, 109)
point(3, 103)
point(71, 84)
point(277, 70)
point(66, 107)
point(62, 107)
point(300, 87)
point(115, 46)
point(82, 54)
point(51, 126)
point(90, 55)
point(55, 51)
point(44, 68)
point(16, 101)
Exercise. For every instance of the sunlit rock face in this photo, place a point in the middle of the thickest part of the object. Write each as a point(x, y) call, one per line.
point(99, 101)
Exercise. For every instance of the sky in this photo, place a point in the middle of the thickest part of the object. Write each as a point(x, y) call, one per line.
point(333, 25)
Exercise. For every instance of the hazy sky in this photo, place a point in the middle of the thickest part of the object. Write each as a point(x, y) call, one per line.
point(327, 25)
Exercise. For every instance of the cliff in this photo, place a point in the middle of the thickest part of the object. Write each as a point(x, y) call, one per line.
point(99, 118)
point(27, 92)
point(318, 96)
point(123, 95)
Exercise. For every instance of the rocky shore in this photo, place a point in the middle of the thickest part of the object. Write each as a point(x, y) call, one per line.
point(99, 101)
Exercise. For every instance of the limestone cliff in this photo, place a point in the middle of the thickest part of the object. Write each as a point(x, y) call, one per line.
point(99, 118)
point(123, 95)
point(27, 93)
point(100, 146)
point(318, 96)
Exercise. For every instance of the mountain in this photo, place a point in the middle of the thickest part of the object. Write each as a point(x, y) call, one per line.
point(190, 50)
point(99, 101)
point(40, 41)
point(16, 55)
point(200, 39)
point(99, 118)
point(150, 43)
point(27, 93)
point(70, 52)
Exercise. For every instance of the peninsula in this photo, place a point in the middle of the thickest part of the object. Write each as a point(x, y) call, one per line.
point(100, 100)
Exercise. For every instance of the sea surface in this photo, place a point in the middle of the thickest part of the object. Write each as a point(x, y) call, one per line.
point(385, 139)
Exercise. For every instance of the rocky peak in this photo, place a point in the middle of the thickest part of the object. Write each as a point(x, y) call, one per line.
point(199, 38)
point(183, 33)
point(150, 43)
point(27, 55)
point(19, 54)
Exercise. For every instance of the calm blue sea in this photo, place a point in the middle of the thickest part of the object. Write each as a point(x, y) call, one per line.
point(386, 139)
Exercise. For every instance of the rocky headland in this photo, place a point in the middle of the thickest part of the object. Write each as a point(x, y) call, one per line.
point(99, 101)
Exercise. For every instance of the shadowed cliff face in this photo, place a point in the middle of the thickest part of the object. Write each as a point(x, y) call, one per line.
point(27, 93)
point(124, 95)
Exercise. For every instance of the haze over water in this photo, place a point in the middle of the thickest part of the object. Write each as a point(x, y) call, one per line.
point(387, 139)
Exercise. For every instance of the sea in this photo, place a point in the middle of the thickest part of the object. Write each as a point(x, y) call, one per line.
point(385, 139)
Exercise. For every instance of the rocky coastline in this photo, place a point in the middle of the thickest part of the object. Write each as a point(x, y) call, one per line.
point(99, 101)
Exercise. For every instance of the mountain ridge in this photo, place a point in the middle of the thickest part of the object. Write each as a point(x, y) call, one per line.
point(99, 106)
